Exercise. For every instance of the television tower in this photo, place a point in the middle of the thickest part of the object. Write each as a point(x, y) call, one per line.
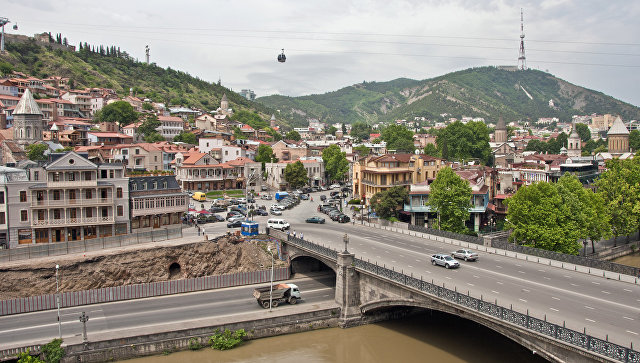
point(146, 52)
point(522, 60)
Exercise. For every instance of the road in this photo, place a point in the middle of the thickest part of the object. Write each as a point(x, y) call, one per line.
point(151, 314)
point(601, 306)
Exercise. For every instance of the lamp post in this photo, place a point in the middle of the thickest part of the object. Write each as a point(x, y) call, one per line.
point(584, 243)
point(58, 303)
point(83, 319)
point(271, 286)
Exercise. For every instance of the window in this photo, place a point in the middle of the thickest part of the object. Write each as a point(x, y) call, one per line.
point(134, 186)
point(56, 195)
point(155, 185)
point(89, 212)
point(119, 193)
point(120, 211)
point(24, 215)
point(2, 220)
point(111, 174)
point(56, 214)
point(164, 185)
point(1, 197)
point(155, 158)
point(103, 174)
point(36, 175)
point(87, 194)
point(137, 151)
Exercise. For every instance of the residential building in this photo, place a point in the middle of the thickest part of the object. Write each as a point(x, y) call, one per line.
point(375, 174)
point(68, 199)
point(108, 138)
point(80, 98)
point(170, 126)
point(7, 176)
point(289, 151)
point(275, 172)
point(156, 202)
point(199, 171)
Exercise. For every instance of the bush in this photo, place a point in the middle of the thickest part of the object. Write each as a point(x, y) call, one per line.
point(354, 201)
point(25, 357)
point(194, 344)
point(227, 339)
point(52, 352)
point(393, 219)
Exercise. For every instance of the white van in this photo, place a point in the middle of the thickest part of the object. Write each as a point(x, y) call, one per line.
point(278, 223)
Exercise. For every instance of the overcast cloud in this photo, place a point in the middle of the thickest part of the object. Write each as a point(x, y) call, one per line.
point(331, 44)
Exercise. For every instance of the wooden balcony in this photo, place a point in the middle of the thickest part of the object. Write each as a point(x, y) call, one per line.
point(66, 202)
point(67, 222)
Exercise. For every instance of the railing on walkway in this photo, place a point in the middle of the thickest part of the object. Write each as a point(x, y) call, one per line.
point(63, 248)
point(568, 336)
point(139, 291)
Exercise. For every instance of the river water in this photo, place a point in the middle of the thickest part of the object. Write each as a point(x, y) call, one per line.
point(430, 337)
point(629, 260)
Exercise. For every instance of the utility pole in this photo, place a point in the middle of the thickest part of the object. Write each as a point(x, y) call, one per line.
point(83, 319)
point(522, 60)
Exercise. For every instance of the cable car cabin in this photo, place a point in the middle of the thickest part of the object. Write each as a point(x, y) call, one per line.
point(249, 228)
point(281, 57)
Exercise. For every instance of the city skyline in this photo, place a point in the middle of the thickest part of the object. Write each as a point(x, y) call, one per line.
point(330, 45)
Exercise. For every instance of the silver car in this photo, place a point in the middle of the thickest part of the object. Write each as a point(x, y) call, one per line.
point(465, 254)
point(444, 260)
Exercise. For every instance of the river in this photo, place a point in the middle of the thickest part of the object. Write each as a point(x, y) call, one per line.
point(430, 337)
point(629, 260)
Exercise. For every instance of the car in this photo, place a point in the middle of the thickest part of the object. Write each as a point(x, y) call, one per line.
point(465, 254)
point(234, 213)
point(346, 189)
point(315, 189)
point(278, 223)
point(266, 197)
point(323, 188)
point(236, 218)
point(343, 218)
point(217, 209)
point(275, 211)
point(218, 218)
point(251, 200)
point(261, 212)
point(242, 200)
point(235, 224)
point(277, 206)
point(444, 260)
point(334, 186)
point(264, 188)
point(315, 219)
point(304, 196)
point(323, 197)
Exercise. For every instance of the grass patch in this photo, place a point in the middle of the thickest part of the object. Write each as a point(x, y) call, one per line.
point(230, 192)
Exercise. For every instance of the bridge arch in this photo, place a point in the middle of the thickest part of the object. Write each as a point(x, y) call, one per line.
point(302, 261)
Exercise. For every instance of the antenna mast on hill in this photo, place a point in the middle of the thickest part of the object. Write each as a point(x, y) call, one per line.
point(522, 60)
point(146, 52)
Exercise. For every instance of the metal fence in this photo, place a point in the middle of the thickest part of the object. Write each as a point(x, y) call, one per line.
point(446, 234)
point(63, 248)
point(568, 336)
point(577, 260)
point(138, 291)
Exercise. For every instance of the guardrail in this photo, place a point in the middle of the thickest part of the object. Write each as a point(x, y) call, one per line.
point(568, 336)
point(139, 291)
point(446, 234)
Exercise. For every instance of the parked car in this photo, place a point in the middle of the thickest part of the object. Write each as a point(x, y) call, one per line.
point(261, 212)
point(278, 223)
point(275, 211)
point(343, 218)
point(235, 218)
point(314, 189)
point(323, 197)
point(315, 219)
point(465, 254)
point(218, 218)
point(234, 214)
point(444, 260)
point(263, 188)
point(217, 209)
point(277, 206)
point(235, 224)
point(334, 186)
point(266, 197)
point(242, 200)
point(304, 196)
point(323, 188)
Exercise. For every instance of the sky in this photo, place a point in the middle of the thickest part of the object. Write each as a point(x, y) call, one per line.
point(332, 44)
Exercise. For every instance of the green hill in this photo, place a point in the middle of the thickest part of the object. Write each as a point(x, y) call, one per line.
point(487, 92)
point(111, 68)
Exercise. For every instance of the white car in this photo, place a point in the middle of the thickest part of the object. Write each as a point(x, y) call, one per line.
point(278, 223)
point(334, 186)
point(465, 254)
point(278, 207)
point(266, 197)
point(444, 260)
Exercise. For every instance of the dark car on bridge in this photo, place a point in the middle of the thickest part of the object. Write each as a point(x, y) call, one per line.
point(315, 219)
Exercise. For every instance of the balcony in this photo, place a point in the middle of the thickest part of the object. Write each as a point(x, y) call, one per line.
point(70, 202)
point(66, 222)
point(153, 211)
point(395, 183)
point(74, 183)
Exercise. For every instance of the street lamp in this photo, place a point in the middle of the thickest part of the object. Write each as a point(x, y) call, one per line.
point(271, 286)
point(58, 303)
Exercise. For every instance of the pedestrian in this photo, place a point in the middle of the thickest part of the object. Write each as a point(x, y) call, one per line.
point(294, 233)
point(301, 235)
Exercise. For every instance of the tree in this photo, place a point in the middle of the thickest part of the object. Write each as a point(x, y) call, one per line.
point(275, 135)
point(634, 140)
point(265, 155)
point(154, 137)
point(536, 145)
point(431, 150)
point(460, 142)
point(583, 131)
point(398, 138)
point(362, 150)
point(450, 197)
point(335, 162)
point(293, 135)
point(237, 132)
point(149, 125)
point(387, 203)
point(331, 131)
point(296, 174)
point(120, 112)
point(52, 352)
point(360, 130)
point(186, 137)
point(147, 106)
point(35, 152)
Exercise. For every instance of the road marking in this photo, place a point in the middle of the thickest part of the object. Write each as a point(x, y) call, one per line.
point(606, 292)
point(427, 271)
point(568, 277)
point(470, 284)
point(627, 290)
point(589, 307)
point(494, 291)
point(540, 270)
point(499, 283)
point(498, 266)
point(418, 261)
point(525, 290)
point(521, 271)
point(378, 257)
point(410, 266)
point(628, 318)
point(546, 278)
point(523, 300)
point(595, 282)
point(447, 277)
point(555, 298)
point(632, 332)
point(476, 276)
point(572, 284)
point(587, 319)
point(387, 252)
point(393, 261)
point(518, 265)
point(553, 309)
point(401, 256)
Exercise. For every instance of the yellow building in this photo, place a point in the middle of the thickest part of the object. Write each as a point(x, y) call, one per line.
point(375, 174)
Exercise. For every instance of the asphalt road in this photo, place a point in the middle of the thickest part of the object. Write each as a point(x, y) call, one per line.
point(148, 314)
point(602, 306)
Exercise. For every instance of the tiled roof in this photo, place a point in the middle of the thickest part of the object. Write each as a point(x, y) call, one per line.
point(110, 134)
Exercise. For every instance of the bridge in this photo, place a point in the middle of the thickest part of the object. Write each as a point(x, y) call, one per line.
point(368, 291)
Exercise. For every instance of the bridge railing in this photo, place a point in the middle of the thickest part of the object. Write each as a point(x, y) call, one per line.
point(569, 336)
point(446, 234)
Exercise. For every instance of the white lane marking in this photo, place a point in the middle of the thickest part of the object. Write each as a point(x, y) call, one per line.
point(595, 282)
point(627, 290)
point(499, 283)
point(525, 290)
point(589, 307)
point(553, 309)
point(555, 298)
point(494, 291)
point(568, 277)
point(401, 256)
point(573, 284)
point(417, 260)
point(393, 261)
point(410, 266)
point(476, 276)
point(628, 318)
point(540, 270)
point(521, 271)
point(387, 252)
point(587, 319)
point(547, 278)
point(427, 271)
point(606, 292)
point(523, 300)
point(378, 257)
point(470, 284)
point(447, 277)
point(517, 265)
point(498, 266)
point(632, 332)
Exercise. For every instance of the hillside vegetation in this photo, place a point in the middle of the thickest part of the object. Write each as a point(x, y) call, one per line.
point(111, 68)
point(487, 92)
